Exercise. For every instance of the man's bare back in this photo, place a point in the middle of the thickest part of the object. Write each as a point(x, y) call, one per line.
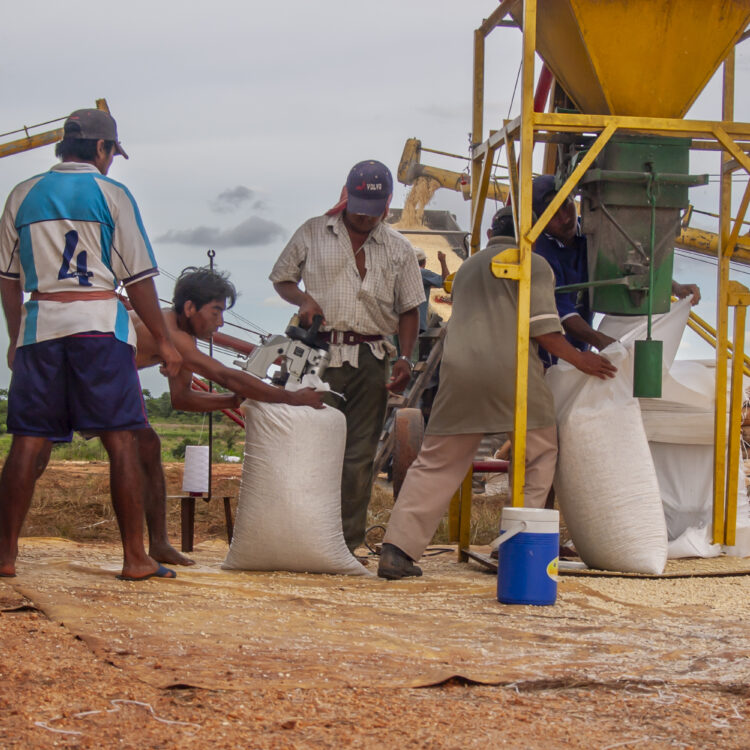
point(147, 354)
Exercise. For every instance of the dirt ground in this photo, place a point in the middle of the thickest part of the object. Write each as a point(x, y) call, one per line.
point(55, 691)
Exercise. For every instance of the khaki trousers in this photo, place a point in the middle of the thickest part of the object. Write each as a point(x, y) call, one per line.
point(437, 472)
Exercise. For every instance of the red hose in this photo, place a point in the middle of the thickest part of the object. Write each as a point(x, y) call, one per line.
point(491, 466)
point(543, 86)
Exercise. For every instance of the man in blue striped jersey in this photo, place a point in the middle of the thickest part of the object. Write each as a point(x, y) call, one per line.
point(68, 238)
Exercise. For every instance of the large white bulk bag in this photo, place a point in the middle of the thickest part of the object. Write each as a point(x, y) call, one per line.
point(606, 482)
point(680, 431)
point(289, 508)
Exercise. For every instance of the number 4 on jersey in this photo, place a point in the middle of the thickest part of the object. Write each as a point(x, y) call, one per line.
point(81, 273)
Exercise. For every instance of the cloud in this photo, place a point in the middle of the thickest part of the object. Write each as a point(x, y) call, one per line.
point(252, 232)
point(231, 199)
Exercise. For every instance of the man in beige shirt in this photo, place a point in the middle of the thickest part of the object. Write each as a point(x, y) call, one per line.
point(477, 396)
point(362, 277)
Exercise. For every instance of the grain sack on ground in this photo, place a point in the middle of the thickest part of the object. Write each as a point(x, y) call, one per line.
point(289, 507)
point(606, 482)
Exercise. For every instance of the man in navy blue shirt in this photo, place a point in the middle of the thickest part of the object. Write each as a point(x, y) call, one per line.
point(564, 248)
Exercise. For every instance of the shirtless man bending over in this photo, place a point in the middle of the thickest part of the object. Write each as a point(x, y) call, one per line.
point(201, 296)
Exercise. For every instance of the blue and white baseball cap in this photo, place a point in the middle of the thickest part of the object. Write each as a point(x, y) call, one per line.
point(369, 187)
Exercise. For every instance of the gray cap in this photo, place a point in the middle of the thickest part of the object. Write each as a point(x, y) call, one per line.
point(421, 254)
point(93, 124)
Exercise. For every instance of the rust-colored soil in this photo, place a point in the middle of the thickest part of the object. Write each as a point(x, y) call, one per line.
point(55, 691)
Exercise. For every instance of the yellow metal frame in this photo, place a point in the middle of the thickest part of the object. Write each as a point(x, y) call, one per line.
point(725, 135)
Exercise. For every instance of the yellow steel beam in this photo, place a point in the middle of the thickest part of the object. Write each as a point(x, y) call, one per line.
point(739, 155)
point(557, 122)
point(524, 261)
point(574, 122)
point(708, 334)
point(742, 211)
point(477, 109)
point(495, 17)
point(738, 297)
point(572, 181)
point(722, 316)
point(477, 205)
point(510, 152)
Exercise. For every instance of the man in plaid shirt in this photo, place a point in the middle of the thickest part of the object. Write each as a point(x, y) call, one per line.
point(362, 277)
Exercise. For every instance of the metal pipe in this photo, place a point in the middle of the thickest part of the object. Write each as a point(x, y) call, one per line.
point(543, 86)
point(491, 466)
point(224, 339)
point(211, 254)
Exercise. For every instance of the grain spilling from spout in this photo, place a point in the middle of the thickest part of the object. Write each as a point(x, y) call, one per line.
point(419, 196)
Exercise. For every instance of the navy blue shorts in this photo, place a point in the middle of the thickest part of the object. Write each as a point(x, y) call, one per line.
point(87, 382)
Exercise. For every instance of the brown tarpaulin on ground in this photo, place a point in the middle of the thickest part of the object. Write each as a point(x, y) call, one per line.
point(227, 629)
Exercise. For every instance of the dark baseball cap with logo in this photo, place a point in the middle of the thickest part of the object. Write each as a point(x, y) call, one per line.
point(93, 124)
point(369, 187)
point(543, 191)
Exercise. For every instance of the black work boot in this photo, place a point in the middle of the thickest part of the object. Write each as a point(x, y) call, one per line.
point(395, 564)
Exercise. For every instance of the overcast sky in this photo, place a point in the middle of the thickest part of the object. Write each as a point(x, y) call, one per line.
point(242, 119)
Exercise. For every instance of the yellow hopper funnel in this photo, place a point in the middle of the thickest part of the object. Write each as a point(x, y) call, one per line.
point(648, 58)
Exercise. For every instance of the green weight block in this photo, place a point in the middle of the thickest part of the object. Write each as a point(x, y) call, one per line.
point(647, 369)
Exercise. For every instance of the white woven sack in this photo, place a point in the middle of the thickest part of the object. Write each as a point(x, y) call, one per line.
point(606, 482)
point(289, 508)
point(608, 492)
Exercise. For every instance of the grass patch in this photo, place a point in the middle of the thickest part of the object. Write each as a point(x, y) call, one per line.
point(228, 441)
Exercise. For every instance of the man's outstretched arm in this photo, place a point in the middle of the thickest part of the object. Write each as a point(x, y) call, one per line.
point(588, 362)
point(185, 398)
point(578, 328)
point(244, 385)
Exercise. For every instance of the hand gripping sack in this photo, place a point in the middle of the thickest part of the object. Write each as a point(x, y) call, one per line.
point(289, 508)
point(606, 482)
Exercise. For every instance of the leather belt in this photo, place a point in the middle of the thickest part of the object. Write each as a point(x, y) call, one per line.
point(72, 296)
point(348, 337)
